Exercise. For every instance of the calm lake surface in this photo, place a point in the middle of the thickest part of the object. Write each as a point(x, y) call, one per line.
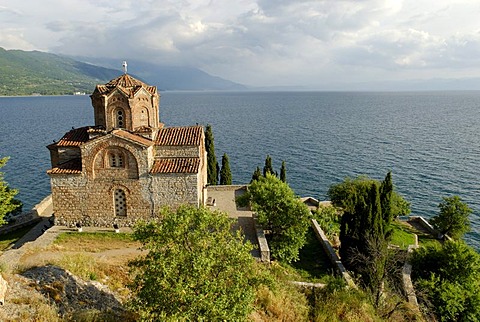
point(429, 140)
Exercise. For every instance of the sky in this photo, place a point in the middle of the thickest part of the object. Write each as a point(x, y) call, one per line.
point(311, 44)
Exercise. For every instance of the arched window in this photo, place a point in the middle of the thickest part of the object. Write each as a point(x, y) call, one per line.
point(144, 117)
point(119, 118)
point(120, 203)
point(116, 160)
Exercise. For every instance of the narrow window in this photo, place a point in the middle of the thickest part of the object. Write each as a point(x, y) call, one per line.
point(120, 119)
point(116, 160)
point(120, 203)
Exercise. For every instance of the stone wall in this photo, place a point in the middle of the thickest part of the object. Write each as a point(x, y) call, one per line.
point(177, 151)
point(332, 255)
point(407, 280)
point(91, 203)
point(42, 209)
point(262, 241)
point(174, 190)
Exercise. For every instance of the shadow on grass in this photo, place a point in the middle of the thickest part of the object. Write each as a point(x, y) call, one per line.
point(9, 239)
point(314, 264)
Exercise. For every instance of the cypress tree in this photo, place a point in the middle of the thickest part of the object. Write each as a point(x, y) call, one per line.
point(212, 164)
point(225, 173)
point(268, 166)
point(386, 192)
point(256, 174)
point(283, 172)
point(376, 230)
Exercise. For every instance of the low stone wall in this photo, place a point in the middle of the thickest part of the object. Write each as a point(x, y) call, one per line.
point(407, 280)
point(43, 209)
point(334, 259)
point(262, 241)
point(226, 187)
point(425, 224)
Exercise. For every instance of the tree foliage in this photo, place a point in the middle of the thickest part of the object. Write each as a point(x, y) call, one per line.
point(365, 227)
point(268, 168)
point(281, 213)
point(328, 217)
point(212, 164)
point(256, 174)
point(453, 218)
point(345, 195)
point(447, 278)
point(8, 203)
point(283, 172)
point(196, 268)
point(225, 173)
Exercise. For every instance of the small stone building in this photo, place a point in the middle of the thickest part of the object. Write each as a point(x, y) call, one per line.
point(128, 165)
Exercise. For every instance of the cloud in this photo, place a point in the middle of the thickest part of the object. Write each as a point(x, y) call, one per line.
point(259, 42)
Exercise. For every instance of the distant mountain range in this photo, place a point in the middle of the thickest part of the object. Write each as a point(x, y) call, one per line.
point(35, 72)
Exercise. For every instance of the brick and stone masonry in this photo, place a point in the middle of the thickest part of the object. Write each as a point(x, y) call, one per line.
point(129, 165)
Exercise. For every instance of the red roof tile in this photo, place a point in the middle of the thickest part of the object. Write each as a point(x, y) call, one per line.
point(178, 136)
point(70, 167)
point(132, 137)
point(176, 165)
point(74, 137)
point(127, 84)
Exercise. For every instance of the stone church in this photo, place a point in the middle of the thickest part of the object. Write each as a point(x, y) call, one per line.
point(128, 166)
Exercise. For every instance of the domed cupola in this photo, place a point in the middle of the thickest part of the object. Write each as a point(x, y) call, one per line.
point(127, 103)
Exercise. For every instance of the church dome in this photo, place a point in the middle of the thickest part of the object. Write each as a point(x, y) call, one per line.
point(127, 84)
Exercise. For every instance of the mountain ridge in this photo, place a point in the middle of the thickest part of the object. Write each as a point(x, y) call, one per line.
point(42, 73)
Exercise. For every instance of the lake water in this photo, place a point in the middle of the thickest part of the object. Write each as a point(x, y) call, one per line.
point(429, 140)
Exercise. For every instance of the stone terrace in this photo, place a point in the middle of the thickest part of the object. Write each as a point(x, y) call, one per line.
point(224, 197)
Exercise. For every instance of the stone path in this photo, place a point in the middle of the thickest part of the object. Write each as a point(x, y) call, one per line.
point(225, 201)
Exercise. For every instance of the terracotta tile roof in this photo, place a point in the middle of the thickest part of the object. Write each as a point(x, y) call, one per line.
point(132, 137)
point(73, 166)
point(178, 136)
point(176, 165)
point(74, 137)
point(127, 84)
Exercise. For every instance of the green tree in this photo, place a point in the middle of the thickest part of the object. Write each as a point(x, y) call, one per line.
point(345, 195)
point(195, 268)
point(256, 174)
point(365, 227)
point(268, 168)
point(225, 173)
point(453, 218)
point(212, 164)
point(283, 172)
point(8, 203)
point(386, 191)
point(281, 213)
point(329, 219)
point(447, 280)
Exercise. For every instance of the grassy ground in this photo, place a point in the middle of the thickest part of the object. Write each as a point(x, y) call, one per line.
point(403, 235)
point(314, 265)
point(94, 242)
point(9, 239)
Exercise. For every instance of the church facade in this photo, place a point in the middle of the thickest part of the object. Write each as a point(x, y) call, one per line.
point(128, 165)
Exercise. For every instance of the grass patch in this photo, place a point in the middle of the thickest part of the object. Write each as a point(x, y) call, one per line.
point(89, 268)
point(94, 242)
point(314, 264)
point(402, 235)
point(9, 239)
point(425, 240)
